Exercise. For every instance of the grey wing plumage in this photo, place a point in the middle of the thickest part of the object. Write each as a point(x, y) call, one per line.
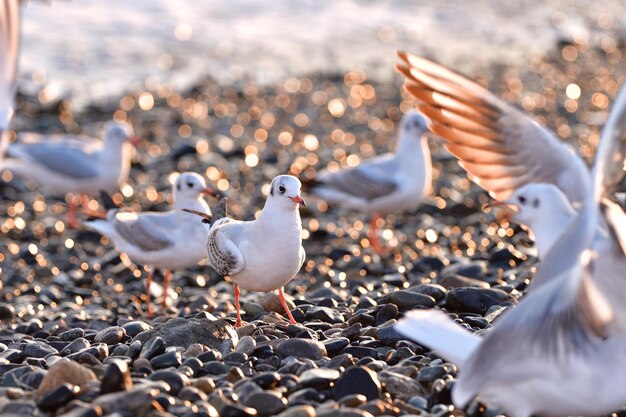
point(567, 316)
point(9, 49)
point(608, 169)
point(141, 231)
point(367, 181)
point(223, 254)
point(68, 161)
point(499, 146)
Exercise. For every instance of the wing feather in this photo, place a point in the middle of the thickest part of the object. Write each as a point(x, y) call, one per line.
point(480, 129)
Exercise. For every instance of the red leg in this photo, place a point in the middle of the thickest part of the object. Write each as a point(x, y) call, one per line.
point(374, 235)
point(239, 322)
point(281, 296)
point(84, 201)
point(166, 285)
point(148, 284)
point(72, 220)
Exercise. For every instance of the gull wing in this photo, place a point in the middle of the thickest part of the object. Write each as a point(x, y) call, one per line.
point(370, 180)
point(500, 147)
point(436, 330)
point(9, 50)
point(223, 254)
point(65, 160)
point(566, 317)
point(144, 231)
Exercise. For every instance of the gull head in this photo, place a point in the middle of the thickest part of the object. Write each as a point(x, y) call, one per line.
point(189, 186)
point(120, 132)
point(414, 124)
point(285, 191)
point(534, 203)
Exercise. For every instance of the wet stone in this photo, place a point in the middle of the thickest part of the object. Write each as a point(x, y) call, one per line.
point(267, 403)
point(459, 281)
point(110, 335)
point(233, 410)
point(361, 352)
point(432, 290)
point(389, 335)
point(429, 373)
point(386, 312)
point(76, 345)
point(57, 397)
point(405, 299)
point(267, 380)
point(166, 360)
point(324, 314)
point(246, 345)
point(474, 300)
point(174, 379)
point(318, 378)
point(39, 350)
point(152, 348)
point(72, 334)
point(7, 311)
point(357, 380)
point(335, 345)
point(116, 377)
point(185, 332)
point(301, 348)
point(133, 328)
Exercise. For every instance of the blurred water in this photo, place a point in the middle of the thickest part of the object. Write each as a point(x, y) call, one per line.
point(93, 49)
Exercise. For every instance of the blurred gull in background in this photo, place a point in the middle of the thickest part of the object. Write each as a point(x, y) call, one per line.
point(9, 49)
point(168, 240)
point(73, 164)
point(388, 183)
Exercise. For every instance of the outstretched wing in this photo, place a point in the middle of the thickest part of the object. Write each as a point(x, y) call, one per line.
point(499, 146)
point(9, 49)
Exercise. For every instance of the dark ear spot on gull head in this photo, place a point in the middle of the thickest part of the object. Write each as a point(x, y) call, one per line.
point(536, 203)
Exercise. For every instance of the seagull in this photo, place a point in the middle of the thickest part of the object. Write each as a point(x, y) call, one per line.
point(543, 209)
point(558, 349)
point(263, 254)
point(9, 49)
point(161, 240)
point(74, 164)
point(388, 183)
point(499, 146)
point(503, 150)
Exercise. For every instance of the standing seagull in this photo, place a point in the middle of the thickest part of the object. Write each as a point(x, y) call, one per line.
point(76, 165)
point(9, 49)
point(262, 254)
point(554, 352)
point(389, 183)
point(168, 240)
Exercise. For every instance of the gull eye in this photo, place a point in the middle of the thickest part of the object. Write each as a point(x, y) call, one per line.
point(522, 199)
point(190, 184)
point(281, 189)
point(416, 123)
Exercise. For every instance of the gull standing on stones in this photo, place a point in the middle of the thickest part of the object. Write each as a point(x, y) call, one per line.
point(161, 240)
point(74, 164)
point(9, 49)
point(558, 352)
point(385, 184)
point(266, 253)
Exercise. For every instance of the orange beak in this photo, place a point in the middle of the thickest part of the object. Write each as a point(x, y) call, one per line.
point(211, 191)
point(299, 200)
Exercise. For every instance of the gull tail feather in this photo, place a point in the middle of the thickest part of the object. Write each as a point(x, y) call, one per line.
point(434, 329)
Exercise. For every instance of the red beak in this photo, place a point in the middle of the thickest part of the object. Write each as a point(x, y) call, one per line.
point(210, 191)
point(505, 210)
point(135, 140)
point(299, 200)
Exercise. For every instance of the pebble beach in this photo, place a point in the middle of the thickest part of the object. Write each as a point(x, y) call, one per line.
point(74, 337)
